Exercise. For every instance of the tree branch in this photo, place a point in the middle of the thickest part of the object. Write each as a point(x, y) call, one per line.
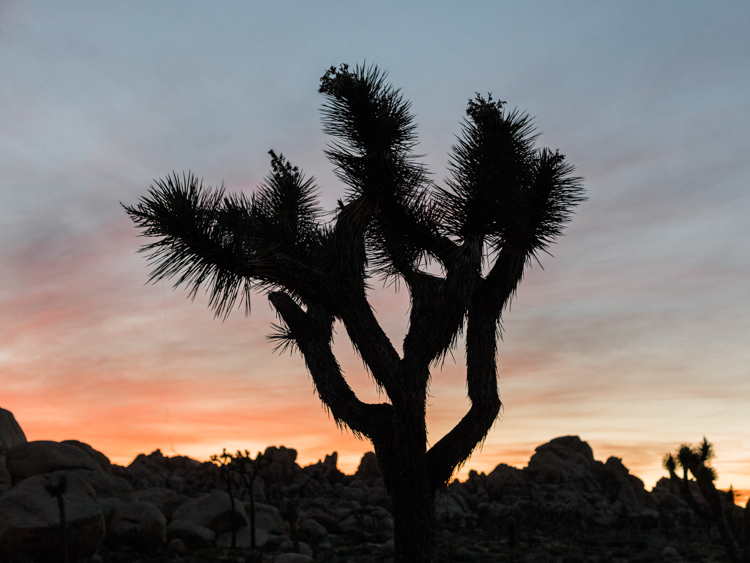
point(313, 332)
point(487, 303)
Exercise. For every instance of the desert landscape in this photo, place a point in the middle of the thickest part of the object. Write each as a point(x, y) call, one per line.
point(564, 506)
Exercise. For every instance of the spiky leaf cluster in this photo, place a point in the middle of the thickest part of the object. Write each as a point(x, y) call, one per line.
point(372, 154)
point(229, 244)
point(695, 460)
point(503, 190)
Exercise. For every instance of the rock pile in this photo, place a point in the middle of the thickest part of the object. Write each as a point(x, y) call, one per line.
point(160, 502)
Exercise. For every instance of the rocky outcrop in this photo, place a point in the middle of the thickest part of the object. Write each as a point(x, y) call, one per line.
point(368, 467)
point(193, 536)
point(158, 501)
point(100, 459)
point(41, 457)
point(214, 511)
point(10, 431)
point(5, 478)
point(30, 520)
point(138, 525)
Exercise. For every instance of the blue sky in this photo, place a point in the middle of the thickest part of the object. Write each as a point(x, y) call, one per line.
point(634, 336)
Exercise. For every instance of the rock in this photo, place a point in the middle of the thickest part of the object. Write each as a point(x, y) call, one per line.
point(109, 506)
point(269, 518)
point(148, 471)
point(106, 485)
point(30, 520)
point(449, 509)
point(311, 531)
point(620, 485)
point(368, 467)
point(279, 465)
point(5, 478)
point(138, 525)
point(281, 455)
point(332, 460)
point(669, 553)
point(101, 459)
point(505, 483)
point(166, 500)
point(10, 431)
point(567, 459)
point(321, 516)
point(177, 545)
point(293, 558)
point(40, 457)
point(243, 538)
point(213, 511)
point(193, 535)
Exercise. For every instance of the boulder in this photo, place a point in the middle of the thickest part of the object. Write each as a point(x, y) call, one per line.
point(213, 511)
point(138, 525)
point(177, 545)
point(282, 455)
point(293, 558)
point(311, 530)
point(567, 459)
point(279, 465)
point(10, 431)
point(269, 518)
point(5, 478)
point(243, 538)
point(148, 470)
point(368, 467)
point(449, 508)
point(626, 488)
point(109, 506)
point(40, 457)
point(328, 521)
point(505, 483)
point(194, 536)
point(30, 520)
point(101, 459)
point(106, 485)
point(165, 500)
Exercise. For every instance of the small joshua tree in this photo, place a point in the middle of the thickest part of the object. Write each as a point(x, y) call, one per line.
point(504, 204)
point(695, 461)
point(248, 470)
point(224, 461)
point(57, 490)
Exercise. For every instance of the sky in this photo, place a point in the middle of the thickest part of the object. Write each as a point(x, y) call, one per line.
point(634, 336)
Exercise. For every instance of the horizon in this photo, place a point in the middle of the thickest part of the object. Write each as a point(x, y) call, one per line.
point(633, 336)
point(348, 465)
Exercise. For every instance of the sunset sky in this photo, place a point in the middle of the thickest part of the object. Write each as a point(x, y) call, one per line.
point(635, 336)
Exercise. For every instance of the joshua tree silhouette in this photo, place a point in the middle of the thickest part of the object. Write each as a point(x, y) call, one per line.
point(735, 534)
point(248, 468)
point(224, 461)
point(504, 203)
point(57, 490)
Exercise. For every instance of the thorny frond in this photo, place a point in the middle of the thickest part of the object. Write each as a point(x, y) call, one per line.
point(502, 189)
point(282, 339)
point(200, 240)
point(229, 244)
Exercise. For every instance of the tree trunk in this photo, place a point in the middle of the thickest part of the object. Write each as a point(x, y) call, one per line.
point(412, 493)
point(414, 519)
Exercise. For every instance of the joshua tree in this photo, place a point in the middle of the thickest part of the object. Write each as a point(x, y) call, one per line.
point(224, 461)
point(248, 469)
point(57, 491)
point(736, 537)
point(504, 203)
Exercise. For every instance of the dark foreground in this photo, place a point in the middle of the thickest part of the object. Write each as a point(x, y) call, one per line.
point(479, 546)
point(564, 507)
